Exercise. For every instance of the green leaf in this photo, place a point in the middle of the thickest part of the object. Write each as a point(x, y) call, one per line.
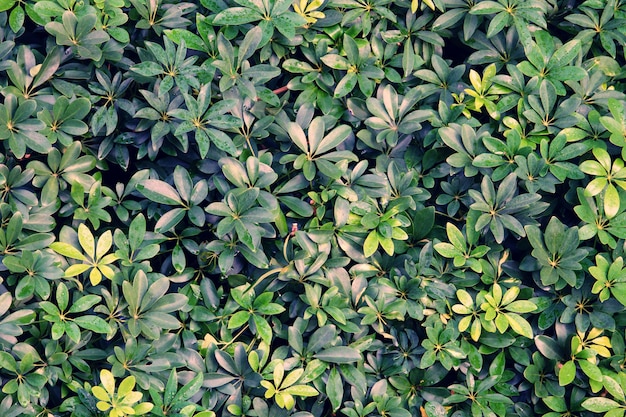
point(322, 336)
point(548, 347)
point(25, 287)
point(456, 237)
point(62, 297)
point(521, 306)
point(620, 292)
point(235, 16)
point(148, 69)
point(355, 377)
point(487, 160)
point(611, 201)
point(565, 54)
point(215, 379)
point(370, 220)
point(160, 192)
point(16, 19)
point(189, 389)
point(7, 362)
point(334, 389)
point(556, 404)
point(567, 373)
point(423, 222)
point(486, 7)
point(137, 231)
point(613, 387)
point(6, 4)
point(497, 23)
point(339, 354)
point(84, 303)
point(519, 325)
point(67, 250)
point(238, 319)
point(263, 328)
point(302, 390)
point(192, 41)
point(371, 244)
point(346, 85)
point(336, 62)
point(298, 67)
point(333, 139)
point(600, 404)
point(591, 370)
point(249, 44)
point(568, 73)
point(222, 141)
point(169, 220)
point(93, 323)
point(498, 365)
point(178, 258)
point(435, 409)
point(447, 250)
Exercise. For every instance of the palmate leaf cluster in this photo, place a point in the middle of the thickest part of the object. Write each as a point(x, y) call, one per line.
point(312, 208)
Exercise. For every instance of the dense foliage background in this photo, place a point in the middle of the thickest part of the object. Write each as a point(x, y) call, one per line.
point(327, 207)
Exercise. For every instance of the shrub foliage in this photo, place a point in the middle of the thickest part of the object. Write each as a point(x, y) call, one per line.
point(312, 208)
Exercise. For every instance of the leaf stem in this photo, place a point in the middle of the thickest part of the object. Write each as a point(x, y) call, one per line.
point(280, 90)
point(449, 217)
point(264, 276)
point(235, 337)
point(250, 146)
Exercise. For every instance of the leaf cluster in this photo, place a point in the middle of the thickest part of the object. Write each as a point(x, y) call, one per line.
point(312, 207)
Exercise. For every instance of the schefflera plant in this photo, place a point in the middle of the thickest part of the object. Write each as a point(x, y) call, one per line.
point(121, 401)
point(312, 208)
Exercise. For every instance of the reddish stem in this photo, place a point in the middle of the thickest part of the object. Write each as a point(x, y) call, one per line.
point(280, 90)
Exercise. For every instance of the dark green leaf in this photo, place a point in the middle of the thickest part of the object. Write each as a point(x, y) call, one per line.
point(339, 354)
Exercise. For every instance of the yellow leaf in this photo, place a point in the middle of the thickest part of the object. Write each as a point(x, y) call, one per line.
point(593, 333)
point(279, 373)
point(108, 381)
point(476, 330)
point(100, 394)
point(386, 244)
point(269, 387)
point(292, 377)
point(107, 271)
point(143, 408)
point(126, 410)
point(35, 70)
point(314, 4)
point(126, 386)
point(602, 341)
point(103, 406)
point(464, 323)
point(475, 80)
point(601, 350)
point(95, 276)
point(104, 244)
point(132, 397)
point(289, 401)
